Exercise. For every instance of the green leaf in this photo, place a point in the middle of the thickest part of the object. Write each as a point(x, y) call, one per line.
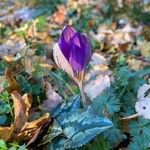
point(54, 131)
point(23, 147)
point(108, 101)
point(140, 130)
point(38, 72)
point(5, 106)
point(40, 51)
point(4, 96)
point(82, 127)
point(114, 136)
point(78, 126)
point(72, 105)
point(3, 145)
point(3, 119)
point(98, 144)
point(37, 89)
point(25, 86)
point(41, 23)
point(3, 65)
point(123, 75)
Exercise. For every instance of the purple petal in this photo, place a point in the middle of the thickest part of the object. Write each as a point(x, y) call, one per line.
point(87, 49)
point(64, 40)
point(80, 53)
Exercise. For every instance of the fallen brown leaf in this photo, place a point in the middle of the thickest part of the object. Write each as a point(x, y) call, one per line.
point(29, 130)
point(19, 111)
point(60, 14)
point(6, 132)
point(34, 136)
point(22, 130)
point(13, 85)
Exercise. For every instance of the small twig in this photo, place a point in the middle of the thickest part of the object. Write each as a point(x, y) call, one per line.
point(129, 117)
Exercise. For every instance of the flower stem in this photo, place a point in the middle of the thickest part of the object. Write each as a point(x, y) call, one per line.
point(83, 99)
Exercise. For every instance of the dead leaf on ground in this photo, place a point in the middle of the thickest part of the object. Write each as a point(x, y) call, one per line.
point(98, 59)
point(6, 132)
point(142, 106)
point(60, 14)
point(117, 38)
point(135, 64)
point(97, 86)
point(99, 76)
point(98, 66)
point(20, 112)
point(30, 128)
point(10, 58)
point(34, 136)
point(22, 130)
point(53, 99)
point(13, 85)
point(144, 47)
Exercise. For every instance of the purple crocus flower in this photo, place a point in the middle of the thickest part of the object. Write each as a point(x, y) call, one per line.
point(76, 48)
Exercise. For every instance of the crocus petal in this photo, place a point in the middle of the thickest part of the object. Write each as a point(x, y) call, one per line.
point(80, 53)
point(61, 61)
point(64, 40)
point(86, 45)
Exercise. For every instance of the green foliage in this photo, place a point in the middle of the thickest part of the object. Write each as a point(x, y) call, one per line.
point(11, 146)
point(4, 31)
point(140, 131)
point(78, 126)
point(3, 65)
point(119, 100)
point(3, 119)
point(34, 88)
point(38, 72)
point(3, 145)
point(114, 135)
point(98, 143)
point(5, 106)
point(41, 23)
point(126, 86)
point(107, 102)
point(24, 84)
point(40, 51)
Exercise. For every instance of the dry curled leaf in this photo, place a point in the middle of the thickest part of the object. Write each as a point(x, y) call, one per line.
point(30, 128)
point(21, 129)
point(19, 111)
